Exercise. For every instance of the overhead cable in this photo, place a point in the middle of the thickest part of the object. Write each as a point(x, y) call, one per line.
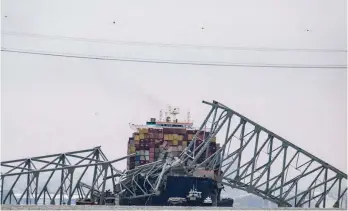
point(177, 62)
point(237, 48)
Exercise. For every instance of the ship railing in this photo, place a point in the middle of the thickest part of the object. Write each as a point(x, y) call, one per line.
point(188, 127)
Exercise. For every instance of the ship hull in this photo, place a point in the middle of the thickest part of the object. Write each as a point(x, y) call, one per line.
point(177, 186)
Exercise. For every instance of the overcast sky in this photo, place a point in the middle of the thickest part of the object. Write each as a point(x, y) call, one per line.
point(55, 104)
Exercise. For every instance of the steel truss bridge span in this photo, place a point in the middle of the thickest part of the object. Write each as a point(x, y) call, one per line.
point(251, 158)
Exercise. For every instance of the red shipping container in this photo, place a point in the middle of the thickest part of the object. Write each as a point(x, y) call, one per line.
point(168, 130)
point(191, 131)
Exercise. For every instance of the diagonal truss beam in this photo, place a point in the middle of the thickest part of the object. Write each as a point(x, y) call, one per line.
point(66, 164)
point(281, 172)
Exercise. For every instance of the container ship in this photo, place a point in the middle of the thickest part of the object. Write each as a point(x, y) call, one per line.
point(167, 138)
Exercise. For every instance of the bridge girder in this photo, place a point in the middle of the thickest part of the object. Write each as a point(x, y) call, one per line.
point(64, 163)
point(256, 160)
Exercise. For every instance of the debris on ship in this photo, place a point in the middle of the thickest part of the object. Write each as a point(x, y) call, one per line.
point(158, 174)
point(158, 146)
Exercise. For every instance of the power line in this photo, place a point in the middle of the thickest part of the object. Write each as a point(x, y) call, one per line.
point(156, 61)
point(172, 45)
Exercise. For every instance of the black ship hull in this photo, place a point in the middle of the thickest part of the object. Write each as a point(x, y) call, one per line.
point(177, 187)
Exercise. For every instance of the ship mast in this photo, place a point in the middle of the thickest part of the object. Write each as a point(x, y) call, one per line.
point(174, 112)
point(161, 116)
point(188, 117)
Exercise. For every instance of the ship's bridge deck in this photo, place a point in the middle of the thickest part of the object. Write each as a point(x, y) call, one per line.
point(161, 125)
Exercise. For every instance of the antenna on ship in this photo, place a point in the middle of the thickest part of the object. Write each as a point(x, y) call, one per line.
point(167, 118)
point(175, 112)
point(169, 110)
point(161, 115)
point(188, 117)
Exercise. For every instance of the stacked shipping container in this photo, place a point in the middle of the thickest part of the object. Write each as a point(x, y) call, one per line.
point(151, 144)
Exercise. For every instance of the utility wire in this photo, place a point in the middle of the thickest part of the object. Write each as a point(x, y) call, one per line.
point(157, 61)
point(173, 45)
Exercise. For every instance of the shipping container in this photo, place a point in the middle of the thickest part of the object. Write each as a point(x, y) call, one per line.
point(151, 144)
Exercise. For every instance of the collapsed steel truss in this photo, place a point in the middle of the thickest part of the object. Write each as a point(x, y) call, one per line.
point(251, 158)
point(70, 183)
point(256, 160)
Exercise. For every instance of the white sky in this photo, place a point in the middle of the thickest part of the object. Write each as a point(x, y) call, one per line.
point(48, 103)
